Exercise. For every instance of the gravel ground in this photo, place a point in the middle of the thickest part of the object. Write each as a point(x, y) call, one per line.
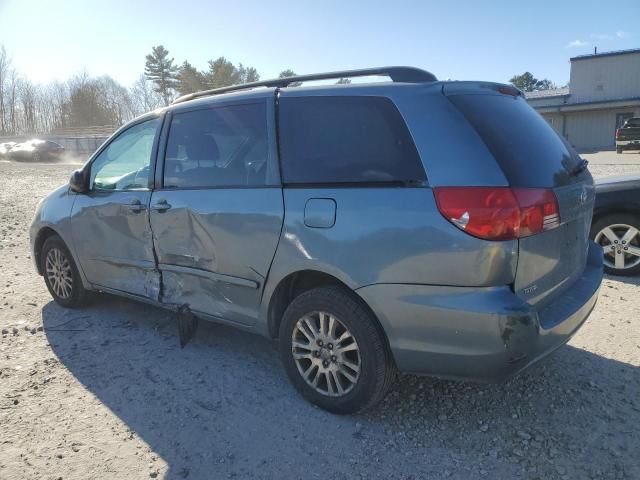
point(106, 392)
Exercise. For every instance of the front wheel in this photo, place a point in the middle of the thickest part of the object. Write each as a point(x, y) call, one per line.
point(334, 351)
point(61, 274)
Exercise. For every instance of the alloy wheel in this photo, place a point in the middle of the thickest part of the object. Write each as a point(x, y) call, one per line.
point(59, 274)
point(326, 354)
point(621, 245)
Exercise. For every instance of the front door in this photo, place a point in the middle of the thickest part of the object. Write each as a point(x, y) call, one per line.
point(110, 223)
point(216, 220)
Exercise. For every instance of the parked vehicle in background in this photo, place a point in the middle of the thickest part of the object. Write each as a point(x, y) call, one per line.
point(431, 227)
point(5, 148)
point(616, 223)
point(37, 151)
point(628, 136)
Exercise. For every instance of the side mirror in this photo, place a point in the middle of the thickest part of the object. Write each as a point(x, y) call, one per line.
point(78, 182)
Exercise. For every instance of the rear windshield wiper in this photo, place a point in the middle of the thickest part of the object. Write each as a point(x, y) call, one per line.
point(580, 167)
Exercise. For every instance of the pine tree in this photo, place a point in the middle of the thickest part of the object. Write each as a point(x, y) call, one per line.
point(222, 73)
point(247, 74)
point(289, 73)
point(161, 70)
point(190, 79)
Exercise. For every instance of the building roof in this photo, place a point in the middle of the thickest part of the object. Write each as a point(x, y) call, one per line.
point(605, 54)
point(556, 92)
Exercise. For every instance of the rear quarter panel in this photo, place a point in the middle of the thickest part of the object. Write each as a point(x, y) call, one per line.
point(385, 235)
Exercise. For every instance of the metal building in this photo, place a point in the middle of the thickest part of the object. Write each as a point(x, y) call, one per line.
point(604, 90)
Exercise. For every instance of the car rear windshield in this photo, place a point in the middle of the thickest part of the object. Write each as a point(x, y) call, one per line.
point(346, 140)
point(527, 148)
point(632, 122)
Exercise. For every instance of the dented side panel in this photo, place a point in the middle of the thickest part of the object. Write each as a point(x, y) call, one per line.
point(215, 246)
point(113, 242)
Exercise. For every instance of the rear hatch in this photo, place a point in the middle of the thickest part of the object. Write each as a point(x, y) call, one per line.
point(533, 156)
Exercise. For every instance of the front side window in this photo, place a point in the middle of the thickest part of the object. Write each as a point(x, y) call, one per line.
point(217, 147)
point(346, 140)
point(126, 162)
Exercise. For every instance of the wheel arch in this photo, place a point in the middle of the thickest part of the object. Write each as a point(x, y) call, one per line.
point(296, 283)
point(603, 212)
point(43, 234)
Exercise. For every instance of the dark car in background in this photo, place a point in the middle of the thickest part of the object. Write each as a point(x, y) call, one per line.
point(616, 223)
point(5, 148)
point(628, 136)
point(37, 151)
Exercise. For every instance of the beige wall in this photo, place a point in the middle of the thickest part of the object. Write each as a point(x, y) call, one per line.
point(594, 128)
point(555, 120)
point(605, 78)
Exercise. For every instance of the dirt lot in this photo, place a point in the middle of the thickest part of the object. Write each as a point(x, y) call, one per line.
point(106, 392)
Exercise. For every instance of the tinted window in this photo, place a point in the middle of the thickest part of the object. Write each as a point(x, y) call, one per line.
point(223, 146)
point(529, 151)
point(632, 122)
point(345, 140)
point(125, 163)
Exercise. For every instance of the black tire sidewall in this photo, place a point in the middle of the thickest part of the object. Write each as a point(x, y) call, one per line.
point(613, 219)
point(373, 353)
point(77, 291)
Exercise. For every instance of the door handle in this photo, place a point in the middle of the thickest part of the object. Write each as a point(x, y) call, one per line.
point(161, 206)
point(136, 206)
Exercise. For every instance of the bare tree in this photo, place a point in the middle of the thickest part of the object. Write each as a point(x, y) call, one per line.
point(12, 96)
point(144, 97)
point(5, 64)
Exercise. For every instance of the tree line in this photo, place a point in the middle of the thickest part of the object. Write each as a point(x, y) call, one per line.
point(85, 100)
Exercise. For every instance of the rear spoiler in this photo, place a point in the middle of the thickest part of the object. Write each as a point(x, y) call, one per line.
point(481, 88)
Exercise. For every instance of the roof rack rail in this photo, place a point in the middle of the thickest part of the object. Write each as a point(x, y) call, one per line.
point(396, 74)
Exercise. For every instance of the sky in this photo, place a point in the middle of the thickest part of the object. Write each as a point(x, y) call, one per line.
point(461, 40)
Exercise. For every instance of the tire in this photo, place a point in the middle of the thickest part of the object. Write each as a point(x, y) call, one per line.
point(620, 224)
point(376, 370)
point(36, 157)
point(55, 260)
point(618, 149)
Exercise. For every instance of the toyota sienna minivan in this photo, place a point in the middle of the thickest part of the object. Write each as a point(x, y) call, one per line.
point(420, 226)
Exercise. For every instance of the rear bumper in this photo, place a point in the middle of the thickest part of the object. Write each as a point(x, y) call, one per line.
point(483, 334)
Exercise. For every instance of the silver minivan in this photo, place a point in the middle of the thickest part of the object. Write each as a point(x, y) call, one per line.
point(429, 227)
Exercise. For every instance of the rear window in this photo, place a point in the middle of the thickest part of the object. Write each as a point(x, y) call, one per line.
point(527, 148)
point(632, 122)
point(346, 140)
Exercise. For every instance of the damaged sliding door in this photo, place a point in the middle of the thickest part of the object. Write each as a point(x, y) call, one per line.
point(110, 223)
point(216, 220)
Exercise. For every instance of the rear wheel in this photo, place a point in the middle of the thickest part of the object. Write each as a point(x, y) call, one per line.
point(618, 149)
point(61, 274)
point(619, 237)
point(334, 351)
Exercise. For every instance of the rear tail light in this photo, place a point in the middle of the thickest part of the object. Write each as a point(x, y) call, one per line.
point(499, 213)
point(617, 133)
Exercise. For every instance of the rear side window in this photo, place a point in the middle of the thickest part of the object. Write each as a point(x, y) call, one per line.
point(528, 150)
point(217, 147)
point(346, 140)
